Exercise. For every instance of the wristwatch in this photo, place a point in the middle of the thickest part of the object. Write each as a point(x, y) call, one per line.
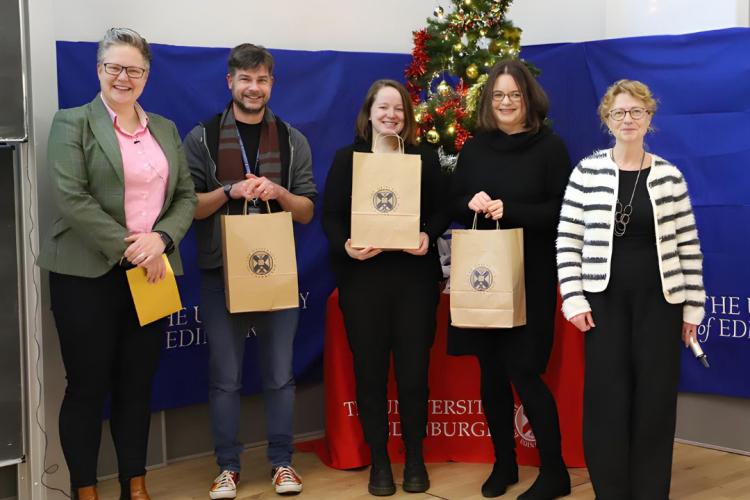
point(168, 243)
point(228, 190)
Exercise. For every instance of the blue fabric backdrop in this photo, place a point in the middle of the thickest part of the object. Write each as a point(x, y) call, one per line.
point(702, 83)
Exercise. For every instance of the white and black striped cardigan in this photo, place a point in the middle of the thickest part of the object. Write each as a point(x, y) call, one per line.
point(584, 235)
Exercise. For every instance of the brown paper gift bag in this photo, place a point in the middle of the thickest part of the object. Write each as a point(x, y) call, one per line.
point(260, 263)
point(487, 278)
point(385, 200)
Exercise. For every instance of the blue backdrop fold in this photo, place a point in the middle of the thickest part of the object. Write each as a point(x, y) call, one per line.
point(702, 82)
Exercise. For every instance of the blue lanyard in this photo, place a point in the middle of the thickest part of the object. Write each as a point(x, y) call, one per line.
point(248, 169)
point(254, 208)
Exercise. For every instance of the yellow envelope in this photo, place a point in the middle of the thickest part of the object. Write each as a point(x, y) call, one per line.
point(153, 300)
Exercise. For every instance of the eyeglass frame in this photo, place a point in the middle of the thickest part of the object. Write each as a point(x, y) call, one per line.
point(626, 112)
point(514, 96)
point(125, 68)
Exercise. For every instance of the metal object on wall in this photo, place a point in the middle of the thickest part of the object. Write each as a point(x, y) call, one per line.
point(13, 124)
point(11, 380)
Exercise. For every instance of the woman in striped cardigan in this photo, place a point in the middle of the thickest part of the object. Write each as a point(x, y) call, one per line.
point(630, 270)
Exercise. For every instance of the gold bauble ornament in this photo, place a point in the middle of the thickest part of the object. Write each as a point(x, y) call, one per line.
point(513, 35)
point(433, 137)
point(467, 3)
point(496, 46)
point(443, 88)
point(472, 71)
point(451, 129)
point(458, 47)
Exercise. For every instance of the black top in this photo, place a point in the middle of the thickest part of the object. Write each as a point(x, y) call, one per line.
point(528, 172)
point(635, 260)
point(250, 134)
point(337, 201)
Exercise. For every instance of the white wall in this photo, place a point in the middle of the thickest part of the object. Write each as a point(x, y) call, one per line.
point(382, 26)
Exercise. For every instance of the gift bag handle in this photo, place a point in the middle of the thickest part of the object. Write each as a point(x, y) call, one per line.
point(377, 137)
point(474, 224)
point(244, 207)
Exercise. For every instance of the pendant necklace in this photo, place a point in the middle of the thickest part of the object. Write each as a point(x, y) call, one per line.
point(622, 214)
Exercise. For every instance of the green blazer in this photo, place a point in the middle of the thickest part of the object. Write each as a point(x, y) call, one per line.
point(86, 173)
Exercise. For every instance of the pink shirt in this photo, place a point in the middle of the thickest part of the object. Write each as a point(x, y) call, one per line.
point(146, 173)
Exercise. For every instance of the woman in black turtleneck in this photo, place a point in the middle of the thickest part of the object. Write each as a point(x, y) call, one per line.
point(388, 298)
point(515, 171)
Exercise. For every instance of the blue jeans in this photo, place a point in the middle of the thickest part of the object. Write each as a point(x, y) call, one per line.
point(226, 340)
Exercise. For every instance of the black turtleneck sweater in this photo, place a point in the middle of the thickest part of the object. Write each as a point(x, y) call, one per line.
point(529, 173)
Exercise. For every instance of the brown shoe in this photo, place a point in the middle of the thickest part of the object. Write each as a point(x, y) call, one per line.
point(85, 493)
point(138, 488)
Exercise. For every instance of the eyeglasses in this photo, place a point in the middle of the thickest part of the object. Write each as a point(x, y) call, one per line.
point(635, 113)
point(514, 96)
point(131, 71)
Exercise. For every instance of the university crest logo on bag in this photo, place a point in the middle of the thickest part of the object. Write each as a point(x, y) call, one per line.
point(261, 263)
point(384, 200)
point(481, 278)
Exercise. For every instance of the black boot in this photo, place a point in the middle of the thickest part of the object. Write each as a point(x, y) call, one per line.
point(381, 477)
point(503, 475)
point(552, 482)
point(416, 479)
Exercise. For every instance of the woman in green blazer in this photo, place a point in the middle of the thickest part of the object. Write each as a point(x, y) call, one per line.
point(125, 197)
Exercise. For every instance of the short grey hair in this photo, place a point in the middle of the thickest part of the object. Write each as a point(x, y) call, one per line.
point(123, 36)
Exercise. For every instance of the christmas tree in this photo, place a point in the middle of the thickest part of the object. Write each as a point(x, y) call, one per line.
point(450, 60)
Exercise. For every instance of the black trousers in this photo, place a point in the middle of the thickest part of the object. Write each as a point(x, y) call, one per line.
point(630, 395)
point(538, 405)
point(105, 353)
point(383, 315)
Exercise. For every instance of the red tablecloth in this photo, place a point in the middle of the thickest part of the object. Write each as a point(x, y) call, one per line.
point(456, 430)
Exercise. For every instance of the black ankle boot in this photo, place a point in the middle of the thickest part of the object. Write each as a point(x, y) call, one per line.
point(416, 479)
point(502, 476)
point(551, 483)
point(381, 480)
point(381, 476)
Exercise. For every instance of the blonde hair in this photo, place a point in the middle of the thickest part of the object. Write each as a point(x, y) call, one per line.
point(634, 88)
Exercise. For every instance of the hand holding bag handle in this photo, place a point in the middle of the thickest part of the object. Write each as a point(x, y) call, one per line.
point(474, 224)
